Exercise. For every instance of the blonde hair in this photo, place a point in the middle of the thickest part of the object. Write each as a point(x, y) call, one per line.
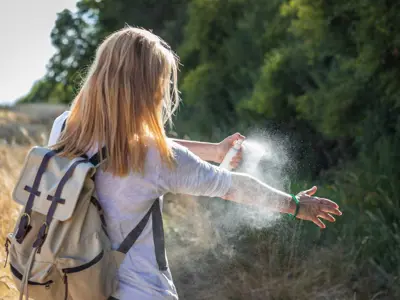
point(129, 94)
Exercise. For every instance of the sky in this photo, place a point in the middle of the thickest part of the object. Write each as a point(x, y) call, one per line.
point(25, 44)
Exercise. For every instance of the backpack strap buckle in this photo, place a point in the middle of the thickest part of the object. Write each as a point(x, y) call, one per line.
point(23, 228)
point(25, 221)
point(41, 237)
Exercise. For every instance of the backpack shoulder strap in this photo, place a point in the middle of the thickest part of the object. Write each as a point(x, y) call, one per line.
point(158, 234)
point(95, 159)
point(63, 125)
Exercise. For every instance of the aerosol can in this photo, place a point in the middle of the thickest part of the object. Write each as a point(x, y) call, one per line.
point(226, 163)
point(252, 154)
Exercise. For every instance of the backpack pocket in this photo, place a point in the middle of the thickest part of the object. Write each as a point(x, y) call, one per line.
point(49, 289)
point(19, 276)
point(95, 279)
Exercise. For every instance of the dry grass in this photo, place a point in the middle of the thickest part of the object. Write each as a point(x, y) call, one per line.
point(11, 159)
point(20, 127)
point(27, 124)
point(212, 266)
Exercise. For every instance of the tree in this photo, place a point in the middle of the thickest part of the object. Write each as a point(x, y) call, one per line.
point(76, 36)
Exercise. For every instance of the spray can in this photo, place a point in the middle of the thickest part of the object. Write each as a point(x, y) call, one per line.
point(226, 163)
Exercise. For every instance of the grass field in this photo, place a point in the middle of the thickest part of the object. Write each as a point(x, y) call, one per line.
point(356, 258)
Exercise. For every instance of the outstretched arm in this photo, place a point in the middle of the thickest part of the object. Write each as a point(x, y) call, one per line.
point(206, 151)
point(248, 190)
point(214, 152)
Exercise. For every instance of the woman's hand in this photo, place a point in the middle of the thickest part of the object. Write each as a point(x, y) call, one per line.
point(312, 208)
point(224, 146)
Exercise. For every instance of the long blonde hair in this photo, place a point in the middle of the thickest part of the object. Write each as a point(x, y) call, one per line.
point(128, 95)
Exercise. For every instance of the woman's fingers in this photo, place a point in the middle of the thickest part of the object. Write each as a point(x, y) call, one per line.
point(238, 155)
point(311, 191)
point(236, 136)
point(237, 159)
point(330, 209)
point(234, 164)
point(318, 222)
point(326, 216)
point(325, 201)
point(239, 136)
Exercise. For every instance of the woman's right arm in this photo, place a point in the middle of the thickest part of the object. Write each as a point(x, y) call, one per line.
point(248, 190)
point(194, 176)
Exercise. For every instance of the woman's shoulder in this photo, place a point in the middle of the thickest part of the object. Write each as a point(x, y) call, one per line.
point(179, 151)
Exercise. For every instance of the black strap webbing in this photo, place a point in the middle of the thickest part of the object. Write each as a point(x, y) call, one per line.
point(95, 159)
point(158, 234)
point(131, 238)
point(39, 174)
point(63, 125)
point(57, 196)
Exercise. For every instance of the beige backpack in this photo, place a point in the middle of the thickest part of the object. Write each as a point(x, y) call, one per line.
point(60, 248)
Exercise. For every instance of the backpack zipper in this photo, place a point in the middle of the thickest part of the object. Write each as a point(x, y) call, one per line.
point(80, 268)
point(84, 266)
point(66, 286)
point(19, 276)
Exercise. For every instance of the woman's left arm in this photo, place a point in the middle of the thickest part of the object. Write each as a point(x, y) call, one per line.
point(214, 152)
point(206, 151)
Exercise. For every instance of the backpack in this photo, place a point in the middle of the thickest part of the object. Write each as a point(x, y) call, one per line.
point(59, 248)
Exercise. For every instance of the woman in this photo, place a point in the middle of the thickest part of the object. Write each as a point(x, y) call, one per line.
point(128, 95)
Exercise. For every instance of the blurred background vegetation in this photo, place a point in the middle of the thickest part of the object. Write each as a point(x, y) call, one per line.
point(322, 73)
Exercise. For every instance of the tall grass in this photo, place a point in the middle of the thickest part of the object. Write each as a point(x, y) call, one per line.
point(11, 159)
point(20, 128)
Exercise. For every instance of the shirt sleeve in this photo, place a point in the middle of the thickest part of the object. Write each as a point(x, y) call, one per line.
point(56, 129)
point(193, 176)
